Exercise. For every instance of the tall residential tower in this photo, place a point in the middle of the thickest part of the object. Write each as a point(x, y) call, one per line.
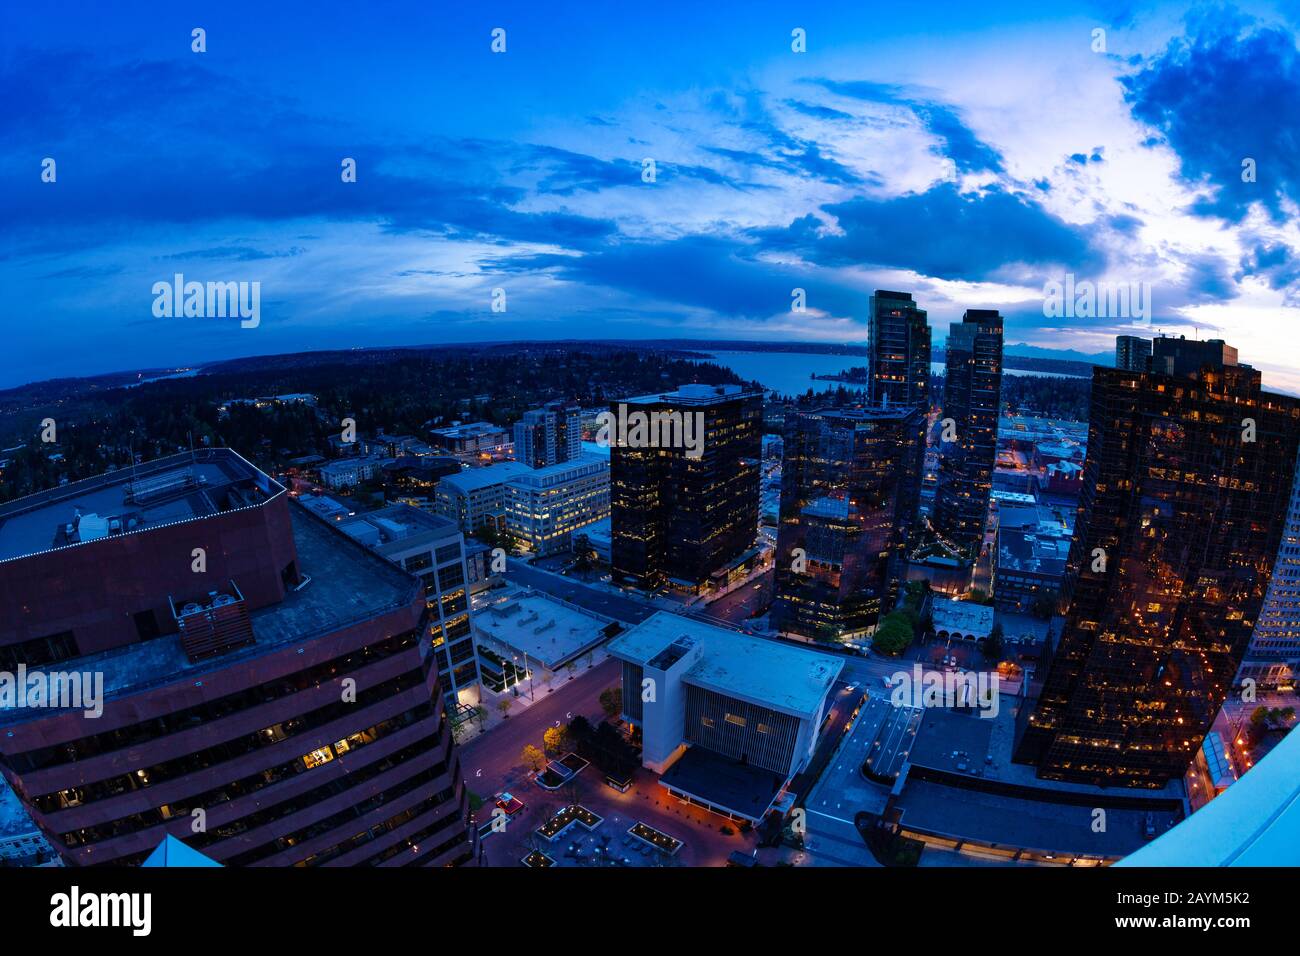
point(899, 351)
point(972, 395)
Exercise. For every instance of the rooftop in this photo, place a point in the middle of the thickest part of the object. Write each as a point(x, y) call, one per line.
point(559, 472)
point(397, 528)
point(784, 678)
point(348, 584)
point(744, 789)
point(14, 819)
point(548, 631)
point(468, 430)
point(965, 616)
point(166, 491)
point(476, 479)
point(694, 395)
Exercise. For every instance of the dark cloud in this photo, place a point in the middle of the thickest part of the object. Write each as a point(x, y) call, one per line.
point(1276, 263)
point(816, 111)
point(943, 233)
point(234, 254)
point(1225, 92)
point(720, 274)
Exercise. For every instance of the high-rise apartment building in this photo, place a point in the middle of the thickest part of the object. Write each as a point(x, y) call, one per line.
point(1132, 353)
point(684, 484)
point(269, 693)
point(899, 350)
point(1272, 659)
point(1178, 527)
point(972, 395)
point(549, 435)
point(849, 490)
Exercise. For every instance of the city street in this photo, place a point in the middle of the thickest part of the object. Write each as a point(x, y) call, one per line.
point(491, 762)
point(738, 606)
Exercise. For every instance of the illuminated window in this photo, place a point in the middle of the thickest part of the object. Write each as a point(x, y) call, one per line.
point(317, 757)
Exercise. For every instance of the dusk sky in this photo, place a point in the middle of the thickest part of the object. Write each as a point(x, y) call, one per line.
point(966, 152)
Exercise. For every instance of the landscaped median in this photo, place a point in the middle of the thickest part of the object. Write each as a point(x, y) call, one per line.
point(565, 818)
point(537, 860)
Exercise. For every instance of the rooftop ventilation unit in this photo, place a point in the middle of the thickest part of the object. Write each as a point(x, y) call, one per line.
point(215, 625)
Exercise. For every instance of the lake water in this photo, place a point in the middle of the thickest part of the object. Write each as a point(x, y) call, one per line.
point(790, 372)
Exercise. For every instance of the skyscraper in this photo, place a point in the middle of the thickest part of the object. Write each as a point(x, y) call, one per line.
point(899, 350)
point(269, 694)
point(1186, 480)
point(1273, 657)
point(549, 435)
point(682, 514)
point(849, 489)
point(972, 395)
point(1132, 353)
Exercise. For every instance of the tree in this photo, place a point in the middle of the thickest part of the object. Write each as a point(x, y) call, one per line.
point(611, 702)
point(893, 636)
point(1043, 605)
point(556, 739)
point(991, 646)
point(504, 704)
point(582, 548)
point(580, 728)
point(533, 758)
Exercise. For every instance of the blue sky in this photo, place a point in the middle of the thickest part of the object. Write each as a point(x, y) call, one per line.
point(969, 153)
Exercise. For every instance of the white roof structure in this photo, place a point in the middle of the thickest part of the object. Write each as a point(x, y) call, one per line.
point(1255, 822)
point(550, 632)
point(767, 672)
point(961, 618)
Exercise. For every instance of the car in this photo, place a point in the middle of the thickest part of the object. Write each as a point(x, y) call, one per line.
point(1149, 829)
point(509, 803)
point(887, 681)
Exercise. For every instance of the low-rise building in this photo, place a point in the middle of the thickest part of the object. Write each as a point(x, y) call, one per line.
point(473, 440)
point(960, 620)
point(726, 719)
point(531, 636)
point(325, 507)
point(475, 499)
point(350, 472)
point(599, 536)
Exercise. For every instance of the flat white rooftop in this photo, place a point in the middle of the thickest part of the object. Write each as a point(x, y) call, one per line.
point(548, 631)
point(965, 616)
point(788, 679)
